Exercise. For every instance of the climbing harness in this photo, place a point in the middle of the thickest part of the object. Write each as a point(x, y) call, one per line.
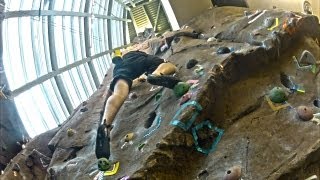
point(208, 124)
point(187, 125)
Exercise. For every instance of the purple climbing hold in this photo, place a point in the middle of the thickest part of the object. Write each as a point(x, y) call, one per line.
point(185, 98)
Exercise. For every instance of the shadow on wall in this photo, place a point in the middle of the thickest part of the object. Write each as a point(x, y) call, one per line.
point(239, 3)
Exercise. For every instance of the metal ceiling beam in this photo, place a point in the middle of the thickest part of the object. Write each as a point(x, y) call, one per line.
point(132, 3)
point(37, 62)
point(28, 13)
point(124, 5)
point(156, 22)
point(55, 73)
point(87, 36)
point(125, 24)
point(109, 25)
point(75, 51)
point(54, 63)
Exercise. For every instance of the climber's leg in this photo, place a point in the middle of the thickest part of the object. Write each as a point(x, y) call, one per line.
point(115, 101)
point(165, 69)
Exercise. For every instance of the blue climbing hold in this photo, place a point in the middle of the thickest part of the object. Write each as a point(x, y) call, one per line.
point(185, 126)
point(212, 128)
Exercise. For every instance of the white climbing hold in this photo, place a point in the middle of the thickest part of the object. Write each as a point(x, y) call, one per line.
point(314, 177)
point(211, 39)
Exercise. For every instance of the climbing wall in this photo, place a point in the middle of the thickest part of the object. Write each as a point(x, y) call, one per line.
point(239, 116)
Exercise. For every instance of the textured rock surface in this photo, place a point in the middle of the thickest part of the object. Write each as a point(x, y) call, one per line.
point(266, 144)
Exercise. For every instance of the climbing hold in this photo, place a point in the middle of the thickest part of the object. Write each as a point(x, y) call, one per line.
point(70, 132)
point(16, 167)
point(213, 129)
point(223, 50)
point(150, 120)
point(152, 130)
point(140, 147)
point(286, 81)
point(276, 24)
point(84, 109)
point(316, 103)
point(84, 103)
point(203, 174)
point(211, 39)
point(276, 107)
point(128, 137)
point(181, 88)
point(186, 125)
point(104, 164)
point(305, 113)
point(113, 171)
point(234, 173)
point(278, 95)
point(199, 70)
point(191, 63)
point(193, 81)
point(185, 98)
point(133, 96)
point(316, 119)
point(158, 96)
point(314, 177)
point(268, 22)
point(125, 178)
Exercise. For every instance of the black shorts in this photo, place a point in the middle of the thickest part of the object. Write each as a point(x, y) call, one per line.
point(153, 63)
point(132, 69)
point(116, 78)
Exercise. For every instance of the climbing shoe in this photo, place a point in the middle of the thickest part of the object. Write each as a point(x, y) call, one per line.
point(163, 80)
point(103, 141)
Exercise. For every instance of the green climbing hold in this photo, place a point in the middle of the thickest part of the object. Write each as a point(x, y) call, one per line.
point(278, 95)
point(104, 164)
point(181, 88)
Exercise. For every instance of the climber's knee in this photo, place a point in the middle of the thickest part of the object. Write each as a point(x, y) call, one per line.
point(121, 89)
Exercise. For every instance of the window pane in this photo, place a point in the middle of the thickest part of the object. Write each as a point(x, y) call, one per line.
point(27, 59)
point(68, 83)
point(12, 5)
point(59, 43)
point(58, 5)
point(11, 54)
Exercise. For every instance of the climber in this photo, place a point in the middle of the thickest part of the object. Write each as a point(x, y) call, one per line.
point(129, 68)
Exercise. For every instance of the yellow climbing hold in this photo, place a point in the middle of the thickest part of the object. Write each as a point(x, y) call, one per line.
point(274, 107)
point(274, 26)
point(113, 171)
point(128, 137)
